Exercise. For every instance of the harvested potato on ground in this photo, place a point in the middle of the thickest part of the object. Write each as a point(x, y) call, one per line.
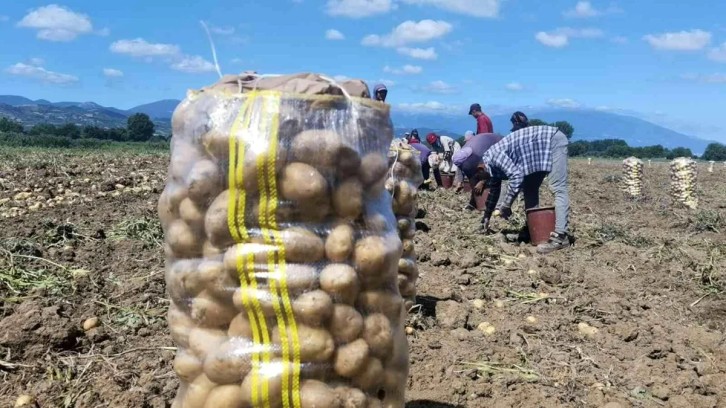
point(197, 392)
point(373, 169)
point(302, 183)
point(302, 245)
point(381, 301)
point(316, 394)
point(204, 182)
point(187, 366)
point(240, 327)
point(341, 282)
point(225, 396)
point(351, 397)
point(371, 377)
point(339, 244)
point(348, 199)
point(183, 241)
point(351, 358)
point(346, 324)
point(313, 308)
point(202, 341)
point(230, 362)
point(378, 333)
point(192, 214)
point(318, 147)
point(206, 311)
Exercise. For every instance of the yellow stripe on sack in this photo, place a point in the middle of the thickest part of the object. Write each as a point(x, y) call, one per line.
point(245, 263)
point(267, 179)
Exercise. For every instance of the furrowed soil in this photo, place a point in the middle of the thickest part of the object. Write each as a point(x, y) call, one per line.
point(633, 315)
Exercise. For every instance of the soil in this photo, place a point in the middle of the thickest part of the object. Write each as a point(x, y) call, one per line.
point(633, 315)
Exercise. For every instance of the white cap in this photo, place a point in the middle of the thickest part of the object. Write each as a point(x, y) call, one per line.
point(468, 135)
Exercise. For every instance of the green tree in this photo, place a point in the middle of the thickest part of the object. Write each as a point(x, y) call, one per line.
point(679, 152)
point(44, 129)
point(10, 126)
point(538, 122)
point(139, 127)
point(715, 152)
point(69, 130)
point(578, 148)
point(565, 127)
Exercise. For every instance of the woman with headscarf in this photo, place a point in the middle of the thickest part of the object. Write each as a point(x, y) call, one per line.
point(468, 159)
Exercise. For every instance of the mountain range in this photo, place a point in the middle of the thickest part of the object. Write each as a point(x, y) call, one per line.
point(588, 124)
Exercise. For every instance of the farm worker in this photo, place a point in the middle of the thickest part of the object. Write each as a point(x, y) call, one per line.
point(519, 121)
point(468, 135)
point(380, 92)
point(483, 123)
point(469, 158)
point(445, 147)
point(414, 135)
point(425, 154)
point(525, 158)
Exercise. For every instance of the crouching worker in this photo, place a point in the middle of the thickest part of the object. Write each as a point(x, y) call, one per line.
point(525, 157)
point(424, 155)
point(469, 159)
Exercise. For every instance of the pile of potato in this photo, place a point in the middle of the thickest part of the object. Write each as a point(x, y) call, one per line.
point(283, 281)
point(684, 173)
point(710, 166)
point(404, 177)
point(633, 176)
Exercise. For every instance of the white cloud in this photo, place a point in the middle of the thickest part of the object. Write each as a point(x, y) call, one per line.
point(432, 105)
point(563, 103)
point(141, 48)
point(692, 40)
point(474, 8)
point(439, 87)
point(405, 70)
point(718, 54)
point(514, 86)
point(419, 53)
point(708, 79)
point(410, 32)
point(580, 32)
point(41, 74)
point(193, 65)
point(334, 35)
point(56, 23)
point(112, 73)
point(36, 62)
point(358, 8)
point(226, 30)
point(585, 9)
point(552, 40)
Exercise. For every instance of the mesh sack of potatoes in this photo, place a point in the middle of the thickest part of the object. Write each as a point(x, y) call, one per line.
point(282, 249)
point(404, 177)
point(684, 173)
point(633, 176)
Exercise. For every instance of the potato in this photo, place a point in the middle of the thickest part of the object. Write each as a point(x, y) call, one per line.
point(175, 276)
point(215, 221)
point(216, 144)
point(408, 249)
point(240, 254)
point(404, 223)
point(211, 251)
point(404, 199)
point(180, 324)
point(187, 366)
point(373, 169)
point(317, 147)
point(341, 282)
point(230, 362)
point(204, 182)
point(378, 333)
point(313, 308)
point(408, 267)
point(376, 223)
point(182, 240)
point(197, 392)
point(351, 358)
point(197, 279)
point(302, 245)
point(202, 341)
point(314, 211)
point(302, 183)
point(226, 396)
point(348, 199)
point(348, 162)
point(209, 312)
point(182, 159)
point(300, 278)
point(376, 403)
point(339, 244)
point(272, 376)
point(316, 394)
point(316, 345)
point(191, 214)
point(381, 301)
point(351, 397)
point(168, 205)
point(407, 288)
point(373, 258)
point(346, 324)
point(240, 327)
point(371, 376)
point(262, 296)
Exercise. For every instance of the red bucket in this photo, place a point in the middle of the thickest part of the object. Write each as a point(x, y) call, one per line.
point(481, 200)
point(466, 186)
point(541, 223)
point(447, 181)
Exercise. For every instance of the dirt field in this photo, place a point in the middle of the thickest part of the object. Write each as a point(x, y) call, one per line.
point(632, 316)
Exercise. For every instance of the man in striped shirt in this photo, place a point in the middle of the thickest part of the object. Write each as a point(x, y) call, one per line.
point(525, 157)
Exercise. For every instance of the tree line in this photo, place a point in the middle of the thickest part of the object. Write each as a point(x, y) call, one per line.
point(139, 128)
point(617, 148)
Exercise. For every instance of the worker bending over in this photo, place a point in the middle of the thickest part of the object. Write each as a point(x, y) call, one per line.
point(445, 148)
point(469, 158)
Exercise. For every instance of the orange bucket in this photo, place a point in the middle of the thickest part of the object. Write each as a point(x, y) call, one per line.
point(466, 186)
point(481, 200)
point(447, 181)
point(541, 223)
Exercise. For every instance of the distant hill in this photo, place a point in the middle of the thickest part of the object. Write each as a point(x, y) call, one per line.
point(588, 124)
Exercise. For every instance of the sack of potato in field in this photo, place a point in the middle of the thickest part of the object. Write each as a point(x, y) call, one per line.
point(684, 173)
point(404, 177)
point(282, 247)
point(633, 176)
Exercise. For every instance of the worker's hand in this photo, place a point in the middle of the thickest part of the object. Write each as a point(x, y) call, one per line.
point(479, 188)
point(485, 225)
point(458, 187)
point(505, 212)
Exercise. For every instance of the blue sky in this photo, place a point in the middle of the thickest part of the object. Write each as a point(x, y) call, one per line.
point(662, 61)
